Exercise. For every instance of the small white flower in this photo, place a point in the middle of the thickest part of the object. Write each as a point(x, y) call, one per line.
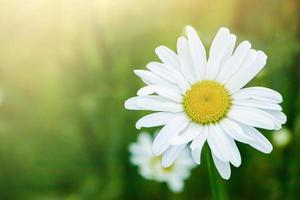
point(198, 99)
point(150, 165)
point(282, 137)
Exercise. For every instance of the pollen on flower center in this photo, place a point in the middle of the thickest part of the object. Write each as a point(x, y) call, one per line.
point(206, 102)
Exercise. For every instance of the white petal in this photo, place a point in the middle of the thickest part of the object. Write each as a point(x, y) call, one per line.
point(130, 104)
point(259, 141)
point(168, 92)
point(258, 93)
point(185, 59)
point(137, 150)
point(176, 185)
point(197, 145)
point(231, 149)
point(152, 103)
point(234, 63)
point(151, 89)
point(167, 56)
point(171, 155)
point(233, 129)
point(229, 49)
point(191, 132)
point(257, 104)
point(212, 68)
point(219, 42)
point(168, 73)
point(280, 116)
point(218, 61)
point(143, 146)
point(150, 78)
point(171, 129)
point(215, 142)
point(197, 50)
point(246, 64)
point(252, 117)
point(156, 119)
point(222, 167)
point(247, 72)
point(196, 155)
point(235, 156)
point(223, 146)
point(145, 139)
point(217, 52)
point(162, 71)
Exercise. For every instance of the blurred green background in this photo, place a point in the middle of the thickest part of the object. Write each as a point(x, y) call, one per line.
point(66, 69)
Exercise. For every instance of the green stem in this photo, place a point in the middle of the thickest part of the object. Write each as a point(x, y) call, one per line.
point(217, 185)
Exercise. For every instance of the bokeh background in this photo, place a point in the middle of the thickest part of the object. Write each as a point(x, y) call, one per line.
point(66, 69)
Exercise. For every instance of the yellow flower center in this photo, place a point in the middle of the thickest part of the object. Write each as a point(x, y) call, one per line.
point(207, 102)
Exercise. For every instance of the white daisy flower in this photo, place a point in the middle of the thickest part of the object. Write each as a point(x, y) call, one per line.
point(150, 165)
point(198, 99)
